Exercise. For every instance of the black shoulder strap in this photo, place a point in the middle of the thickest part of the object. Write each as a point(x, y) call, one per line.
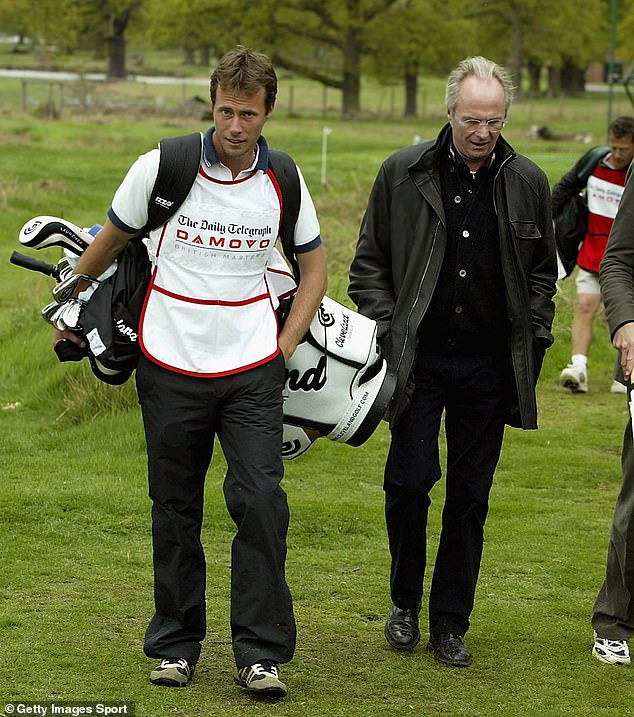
point(285, 171)
point(178, 167)
point(589, 161)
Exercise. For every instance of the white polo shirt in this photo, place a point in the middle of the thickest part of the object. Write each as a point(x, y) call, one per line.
point(210, 310)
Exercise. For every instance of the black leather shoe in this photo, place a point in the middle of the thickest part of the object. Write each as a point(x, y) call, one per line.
point(450, 649)
point(401, 628)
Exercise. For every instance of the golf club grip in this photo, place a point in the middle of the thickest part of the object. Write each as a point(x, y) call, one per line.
point(28, 262)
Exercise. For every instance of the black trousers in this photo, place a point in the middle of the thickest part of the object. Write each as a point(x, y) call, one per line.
point(472, 391)
point(181, 416)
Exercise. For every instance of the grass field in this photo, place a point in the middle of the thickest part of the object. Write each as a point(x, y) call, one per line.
point(75, 576)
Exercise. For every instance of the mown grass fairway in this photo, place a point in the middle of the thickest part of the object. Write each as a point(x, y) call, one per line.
point(75, 573)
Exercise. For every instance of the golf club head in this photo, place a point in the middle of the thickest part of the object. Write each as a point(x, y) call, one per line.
point(48, 311)
point(44, 231)
point(63, 291)
point(65, 316)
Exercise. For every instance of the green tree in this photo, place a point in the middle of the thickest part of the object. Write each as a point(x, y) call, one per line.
point(563, 37)
point(69, 23)
point(417, 35)
point(14, 18)
point(625, 32)
point(324, 40)
point(201, 27)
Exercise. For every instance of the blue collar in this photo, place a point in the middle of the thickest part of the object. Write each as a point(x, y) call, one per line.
point(211, 157)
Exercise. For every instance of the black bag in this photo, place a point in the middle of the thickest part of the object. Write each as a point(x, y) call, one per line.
point(114, 343)
point(571, 225)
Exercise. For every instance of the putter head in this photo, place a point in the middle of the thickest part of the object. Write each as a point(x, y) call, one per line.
point(44, 231)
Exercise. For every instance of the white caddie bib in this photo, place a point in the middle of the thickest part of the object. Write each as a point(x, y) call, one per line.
point(209, 311)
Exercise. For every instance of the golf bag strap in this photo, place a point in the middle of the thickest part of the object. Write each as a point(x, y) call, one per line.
point(178, 167)
point(285, 171)
point(589, 161)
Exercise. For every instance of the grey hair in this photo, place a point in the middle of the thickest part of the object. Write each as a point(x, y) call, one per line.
point(477, 66)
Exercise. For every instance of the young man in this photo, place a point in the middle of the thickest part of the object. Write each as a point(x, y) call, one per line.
point(603, 191)
point(456, 262)
point(213, 365)
point(613, 611)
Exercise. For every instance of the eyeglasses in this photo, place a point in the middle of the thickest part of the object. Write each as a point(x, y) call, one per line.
point(496, 124)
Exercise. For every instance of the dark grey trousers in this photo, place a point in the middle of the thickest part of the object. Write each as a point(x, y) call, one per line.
point(613, 612)
point(181, 416)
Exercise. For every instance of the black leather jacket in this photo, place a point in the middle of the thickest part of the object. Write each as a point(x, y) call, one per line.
point(400, 252)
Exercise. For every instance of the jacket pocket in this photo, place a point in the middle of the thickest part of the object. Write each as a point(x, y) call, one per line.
point(526, 237)
point(526, 230)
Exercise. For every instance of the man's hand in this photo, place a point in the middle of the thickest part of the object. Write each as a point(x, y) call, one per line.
point(624, 341)
point(312, 287)
point(70, 335)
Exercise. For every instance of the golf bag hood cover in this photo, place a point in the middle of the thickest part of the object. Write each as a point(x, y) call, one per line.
point(44, 231)
point(337, 383)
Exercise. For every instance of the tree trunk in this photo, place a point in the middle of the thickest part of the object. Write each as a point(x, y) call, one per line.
point(205, 56)
point(554, 82)
point(411, 92)
point(188, 51)
point(116, 49)
point(517, 53)
point(572, 78)
point(534, 75)
point(350, 100)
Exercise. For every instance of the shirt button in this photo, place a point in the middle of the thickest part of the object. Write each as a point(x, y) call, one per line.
point(458, 309)
point(462, 273)
point(457, 199)
point(465, 233)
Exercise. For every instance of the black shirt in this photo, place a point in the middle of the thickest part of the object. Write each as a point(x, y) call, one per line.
point(467, 312)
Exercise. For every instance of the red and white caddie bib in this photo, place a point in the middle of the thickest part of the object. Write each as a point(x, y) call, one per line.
point(209, 311)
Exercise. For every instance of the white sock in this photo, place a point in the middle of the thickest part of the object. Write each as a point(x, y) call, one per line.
point(580, 360)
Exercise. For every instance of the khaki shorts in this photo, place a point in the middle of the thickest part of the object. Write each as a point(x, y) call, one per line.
point(587, 282)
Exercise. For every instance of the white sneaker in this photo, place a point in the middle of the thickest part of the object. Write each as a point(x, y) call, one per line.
point(574, 378)
point(612, 652)
point(618, 387)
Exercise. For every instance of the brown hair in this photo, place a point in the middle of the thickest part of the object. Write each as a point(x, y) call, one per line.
point(245, 70)
point(622, 127)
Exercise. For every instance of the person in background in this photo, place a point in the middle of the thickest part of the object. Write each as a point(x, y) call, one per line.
point(603, 192)
point(613, 611)
point(213, 364)
point(456, 262)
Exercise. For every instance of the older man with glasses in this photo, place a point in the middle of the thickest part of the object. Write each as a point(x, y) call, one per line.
point(456, 262)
